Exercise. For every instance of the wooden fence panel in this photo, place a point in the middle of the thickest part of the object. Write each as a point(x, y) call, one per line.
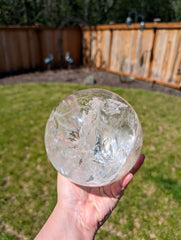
point(18, 49)
point(152, 55)
point(122, 50)
point(25, 48)
point(165, 55)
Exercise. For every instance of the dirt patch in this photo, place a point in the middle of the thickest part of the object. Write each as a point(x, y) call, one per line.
point(80, 75)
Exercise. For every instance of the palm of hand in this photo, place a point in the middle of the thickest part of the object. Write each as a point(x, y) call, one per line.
point(90, 207)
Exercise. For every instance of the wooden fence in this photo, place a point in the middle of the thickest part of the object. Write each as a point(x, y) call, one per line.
point(152, 55)
point(25, 48)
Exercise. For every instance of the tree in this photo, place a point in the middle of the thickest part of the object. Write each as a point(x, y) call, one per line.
point(53, 12)
point(178, 10)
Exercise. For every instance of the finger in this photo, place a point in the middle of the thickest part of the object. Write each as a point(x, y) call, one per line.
point(107, 190)
point(126, 180)
point(119, 186)
point(138, 164)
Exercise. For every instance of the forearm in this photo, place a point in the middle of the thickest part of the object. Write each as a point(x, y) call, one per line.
point(61, 226)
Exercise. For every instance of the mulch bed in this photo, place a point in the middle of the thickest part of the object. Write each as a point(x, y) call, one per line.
point(79, 75)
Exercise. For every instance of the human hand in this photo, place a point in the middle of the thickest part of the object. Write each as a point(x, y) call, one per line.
point(89, 207)
point(80, 211)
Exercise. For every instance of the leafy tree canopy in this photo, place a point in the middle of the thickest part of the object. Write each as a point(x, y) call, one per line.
point(53, 12)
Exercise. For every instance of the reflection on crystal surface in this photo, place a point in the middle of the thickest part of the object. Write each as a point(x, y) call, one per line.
point(93, 137)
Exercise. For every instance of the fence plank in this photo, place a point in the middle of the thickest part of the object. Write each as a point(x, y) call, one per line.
point(14, 50)
point(113, 58)
point(169, 56)
point(86, 48)
point(176, 74)
point(23, 42)
point(71, 42)
point(106, 50)
point(4, 60)
point(34, 49)
point(98, 57)
point(173, 46)
point(93, 47)
point(143, 51)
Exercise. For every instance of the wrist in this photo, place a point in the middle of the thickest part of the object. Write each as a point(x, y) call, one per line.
point(62, 225)
point(70, 225)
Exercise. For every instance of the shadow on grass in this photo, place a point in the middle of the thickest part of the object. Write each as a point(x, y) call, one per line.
point(171, 186)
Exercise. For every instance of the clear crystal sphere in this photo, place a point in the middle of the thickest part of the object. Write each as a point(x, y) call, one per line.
point(93, 137)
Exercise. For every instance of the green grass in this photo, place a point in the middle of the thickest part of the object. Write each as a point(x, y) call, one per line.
point(151, 206)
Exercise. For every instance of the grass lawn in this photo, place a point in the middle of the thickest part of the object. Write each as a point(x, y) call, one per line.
point(151, 206)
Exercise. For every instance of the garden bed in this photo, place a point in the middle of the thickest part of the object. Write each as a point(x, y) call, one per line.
point(79, 75)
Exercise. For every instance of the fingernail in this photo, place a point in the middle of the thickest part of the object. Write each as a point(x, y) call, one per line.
point(127, 180)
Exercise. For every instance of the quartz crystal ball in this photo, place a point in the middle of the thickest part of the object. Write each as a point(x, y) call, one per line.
point(93, 137)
